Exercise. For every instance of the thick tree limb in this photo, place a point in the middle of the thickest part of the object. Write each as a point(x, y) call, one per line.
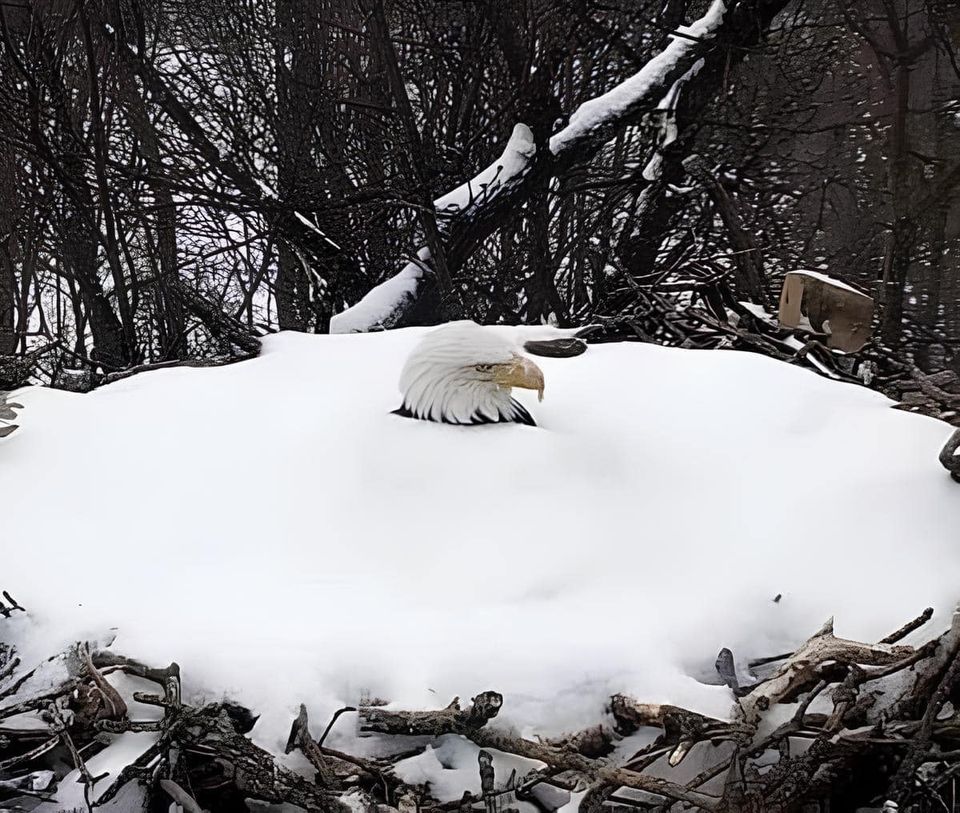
point(468, 216)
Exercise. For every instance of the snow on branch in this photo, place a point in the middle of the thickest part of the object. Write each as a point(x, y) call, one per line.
point(383, 305)
point(511, 165)
point(477, 203)
point(611, 107)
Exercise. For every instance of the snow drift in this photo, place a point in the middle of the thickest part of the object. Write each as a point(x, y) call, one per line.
point(271, 527)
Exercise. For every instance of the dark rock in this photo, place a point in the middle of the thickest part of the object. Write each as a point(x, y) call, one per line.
point(556, 348)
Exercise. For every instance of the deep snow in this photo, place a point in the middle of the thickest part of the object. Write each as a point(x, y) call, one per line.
point(271, 527)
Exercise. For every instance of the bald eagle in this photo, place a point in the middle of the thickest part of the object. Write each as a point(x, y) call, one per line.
point(463, 373)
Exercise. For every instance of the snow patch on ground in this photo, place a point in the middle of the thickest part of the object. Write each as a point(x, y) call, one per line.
point(273, 528)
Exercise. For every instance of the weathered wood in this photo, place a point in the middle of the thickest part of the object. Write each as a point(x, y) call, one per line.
point(300, 739)
point(451, 720)
point(830, 306)
point(801, 669)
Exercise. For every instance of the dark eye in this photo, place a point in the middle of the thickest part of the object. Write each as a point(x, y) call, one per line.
point(483, 368)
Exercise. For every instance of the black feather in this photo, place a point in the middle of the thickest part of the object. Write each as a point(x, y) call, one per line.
point(520, 415)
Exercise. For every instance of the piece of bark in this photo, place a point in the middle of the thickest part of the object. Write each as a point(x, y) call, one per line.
point(451, 720)
point(105, 660)
point(726, 669)
point(549, 797)
point(597, 741)
point(487, 774)
point(682, 728)
point(910, 626)
point(113, 705)
point(300, 739)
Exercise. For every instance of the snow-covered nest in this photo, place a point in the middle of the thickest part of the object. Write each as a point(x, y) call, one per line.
point(273, 528)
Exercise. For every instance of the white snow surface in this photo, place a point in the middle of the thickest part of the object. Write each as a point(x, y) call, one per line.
point(274, 529)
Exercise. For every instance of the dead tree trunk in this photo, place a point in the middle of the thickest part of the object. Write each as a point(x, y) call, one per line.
point(121, 288)
point(748, 262)
point(417, 160)
point(297, 62)
point(8, 249)
point(170, 323)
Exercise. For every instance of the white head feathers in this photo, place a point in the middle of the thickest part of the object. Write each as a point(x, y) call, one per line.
point(463, 373)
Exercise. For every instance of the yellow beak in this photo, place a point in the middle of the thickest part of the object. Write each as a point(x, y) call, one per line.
point(520, 372)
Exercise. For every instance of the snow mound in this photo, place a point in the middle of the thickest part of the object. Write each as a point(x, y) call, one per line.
point(273, 528)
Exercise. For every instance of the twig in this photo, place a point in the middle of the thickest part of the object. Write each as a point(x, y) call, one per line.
point(910, 626)
point(333, 720)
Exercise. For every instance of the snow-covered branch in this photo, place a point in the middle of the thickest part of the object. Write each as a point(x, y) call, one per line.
point(385, 304)
point(474, 210)
point(595, 116)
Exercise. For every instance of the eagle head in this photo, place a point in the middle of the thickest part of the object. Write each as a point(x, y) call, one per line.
point(464, 373)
